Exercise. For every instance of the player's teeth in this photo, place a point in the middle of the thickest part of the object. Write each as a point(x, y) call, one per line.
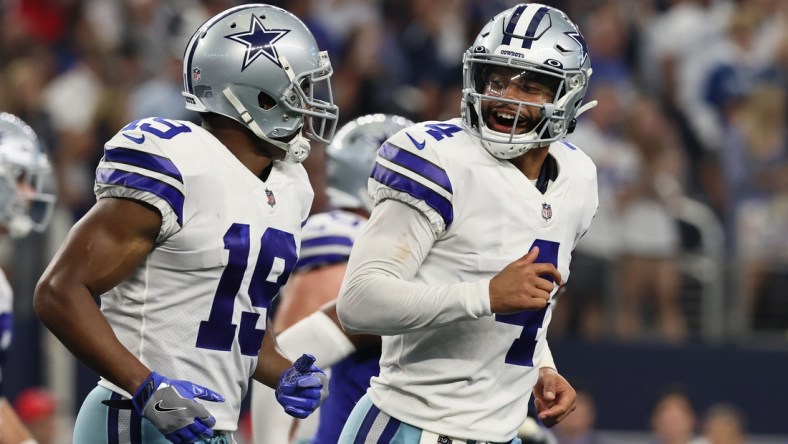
point(506, 116)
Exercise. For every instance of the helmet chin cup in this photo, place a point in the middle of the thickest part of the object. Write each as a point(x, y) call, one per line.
point(298, 149)
point(19, 226)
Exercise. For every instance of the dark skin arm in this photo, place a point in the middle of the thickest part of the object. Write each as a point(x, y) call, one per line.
point(104, 247)
point(270, 362)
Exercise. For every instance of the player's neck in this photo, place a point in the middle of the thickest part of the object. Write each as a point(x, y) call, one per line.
point(531, 162)
point(241, 142)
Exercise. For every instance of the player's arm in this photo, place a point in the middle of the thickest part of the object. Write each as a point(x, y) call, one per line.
point(105, 246)
point(377, 297)
point(305, 293)
point(300, 387)
point(309, 319)
point(12, 431)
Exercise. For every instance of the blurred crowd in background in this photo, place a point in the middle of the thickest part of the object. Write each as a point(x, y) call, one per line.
point(691, 239)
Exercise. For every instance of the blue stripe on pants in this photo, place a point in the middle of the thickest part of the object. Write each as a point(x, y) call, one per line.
point(365, 421)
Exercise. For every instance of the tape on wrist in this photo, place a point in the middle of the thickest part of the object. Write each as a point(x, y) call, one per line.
point(317, 335)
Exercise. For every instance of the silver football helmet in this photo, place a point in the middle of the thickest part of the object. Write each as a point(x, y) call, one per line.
point(260, 65)
point(351, 156)
point(24, 167)
point(541, 42)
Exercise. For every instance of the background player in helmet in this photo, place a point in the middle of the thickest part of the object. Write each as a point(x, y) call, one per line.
point(194, 231)
point(307, 312)
point(24, 207)
point(471, 236)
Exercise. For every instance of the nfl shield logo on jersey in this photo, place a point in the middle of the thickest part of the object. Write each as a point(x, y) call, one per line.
point(547, 211)
point(270, 196)
point(196, 74)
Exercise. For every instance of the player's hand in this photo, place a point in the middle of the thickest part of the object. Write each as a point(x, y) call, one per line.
point(302, 387)
point(554, 397)
point(171, 405)
point(523, 285)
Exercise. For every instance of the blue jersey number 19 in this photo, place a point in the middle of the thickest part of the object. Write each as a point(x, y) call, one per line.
point(276, 259)
point(522, 350)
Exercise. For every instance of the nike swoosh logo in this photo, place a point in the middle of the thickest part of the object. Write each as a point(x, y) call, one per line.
point(158, 407)
point(419, 145)
point(135, 139)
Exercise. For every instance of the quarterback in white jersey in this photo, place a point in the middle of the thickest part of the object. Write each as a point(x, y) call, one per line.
point(471, 236)
point(194, 231)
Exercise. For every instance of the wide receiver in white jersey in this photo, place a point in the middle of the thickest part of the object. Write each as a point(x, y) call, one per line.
point(194, 231)
point(25, 206)
point(471, 236)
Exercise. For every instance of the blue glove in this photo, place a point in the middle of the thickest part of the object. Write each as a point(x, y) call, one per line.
point(172, 407)
point(302, 387)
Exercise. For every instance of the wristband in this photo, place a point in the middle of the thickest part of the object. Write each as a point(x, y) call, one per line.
point(547, 359)
point(318, 335)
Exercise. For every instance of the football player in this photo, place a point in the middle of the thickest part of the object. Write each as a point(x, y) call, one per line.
point(307, 313)
point(25, 206)
point(194, 231)
point(471, 236)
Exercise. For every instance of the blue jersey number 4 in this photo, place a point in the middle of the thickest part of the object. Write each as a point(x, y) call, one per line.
point(277, 257)
point(522, 350)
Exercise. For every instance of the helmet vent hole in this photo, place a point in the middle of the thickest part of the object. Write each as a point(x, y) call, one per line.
point(262, 16)
point(265, 101)
point(233, 25)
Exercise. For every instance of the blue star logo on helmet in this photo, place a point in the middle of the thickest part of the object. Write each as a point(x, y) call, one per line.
point(259, 41)
point(576, 36)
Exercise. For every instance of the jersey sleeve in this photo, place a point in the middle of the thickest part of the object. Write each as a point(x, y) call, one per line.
point(136, 166)
point(377, 294)
point(327, 238)
point(408, 169)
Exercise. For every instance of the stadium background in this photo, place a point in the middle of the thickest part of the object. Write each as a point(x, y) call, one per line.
point(683, 278)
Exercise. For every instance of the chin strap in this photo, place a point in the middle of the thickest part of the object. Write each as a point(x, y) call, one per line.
point(297, 148)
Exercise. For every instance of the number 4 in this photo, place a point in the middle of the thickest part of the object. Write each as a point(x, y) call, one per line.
point(522, 350)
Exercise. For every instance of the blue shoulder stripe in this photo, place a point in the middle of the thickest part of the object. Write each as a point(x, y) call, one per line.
point(571, 147)
point(407, 185)
point(418, 165)
point(170, 194)
point(306, 263)
point(142, 159)
point(327, 240)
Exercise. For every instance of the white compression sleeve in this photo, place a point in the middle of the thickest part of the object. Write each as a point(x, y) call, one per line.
point(318, 335)
point(376, 295)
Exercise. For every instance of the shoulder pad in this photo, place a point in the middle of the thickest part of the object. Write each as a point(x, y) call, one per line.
point(136, 165)
point(409, 169)
point(327, 238)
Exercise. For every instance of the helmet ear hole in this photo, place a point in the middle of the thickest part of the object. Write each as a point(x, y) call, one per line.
point(265, 101)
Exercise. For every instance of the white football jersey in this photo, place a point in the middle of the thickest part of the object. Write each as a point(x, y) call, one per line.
point(472, 379)
point(196, 307)
point(327, 238)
